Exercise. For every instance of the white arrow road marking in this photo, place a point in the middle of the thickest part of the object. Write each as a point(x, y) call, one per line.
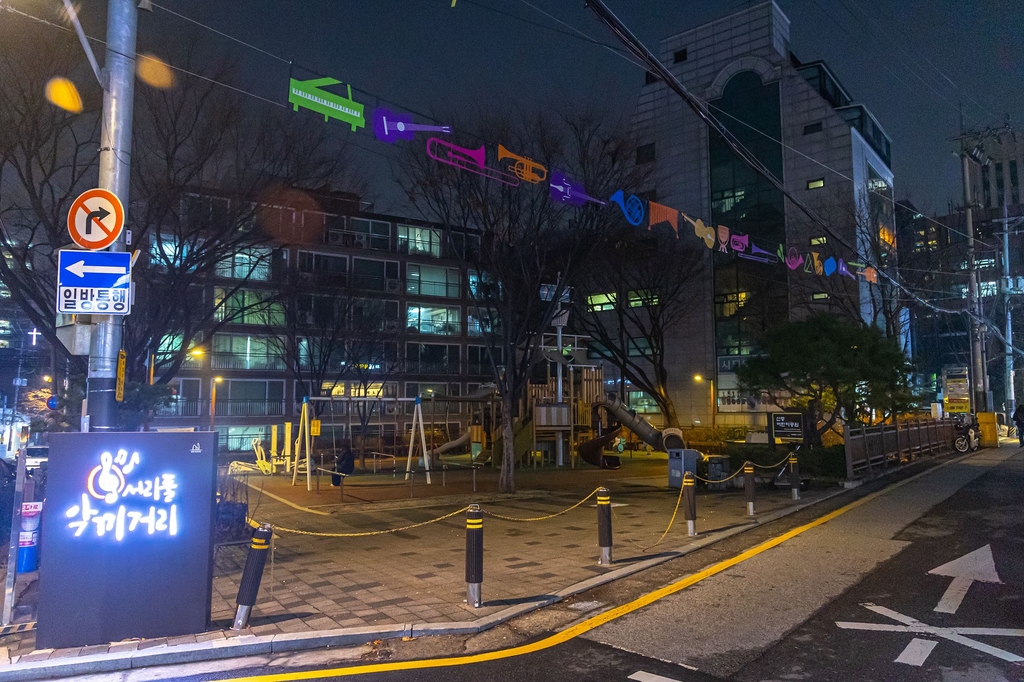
point(915, 654)
point(978, 566)
point(80, 269)
point(641, 676)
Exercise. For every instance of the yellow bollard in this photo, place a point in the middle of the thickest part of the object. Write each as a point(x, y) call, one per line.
point(288, 447)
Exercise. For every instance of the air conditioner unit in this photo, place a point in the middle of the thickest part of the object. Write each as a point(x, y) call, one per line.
point(391, 325)
point(392, 409)
point(361, 241)
point(392, 284)
point(335, 237)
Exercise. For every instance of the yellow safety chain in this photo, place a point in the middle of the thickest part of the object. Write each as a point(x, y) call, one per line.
point(364, 533)
point(771, 466)
point(720, 480)
point(542, 518)
point(671, 521)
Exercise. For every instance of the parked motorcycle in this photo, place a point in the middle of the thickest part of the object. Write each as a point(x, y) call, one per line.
point(966, 430)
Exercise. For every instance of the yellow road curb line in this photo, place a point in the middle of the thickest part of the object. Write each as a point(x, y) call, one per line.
point(595, 621)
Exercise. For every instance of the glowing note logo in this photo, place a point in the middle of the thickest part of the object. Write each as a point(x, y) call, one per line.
point(108, 483)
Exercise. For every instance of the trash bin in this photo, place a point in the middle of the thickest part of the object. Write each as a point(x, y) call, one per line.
point(989, 428)
point(679, 462)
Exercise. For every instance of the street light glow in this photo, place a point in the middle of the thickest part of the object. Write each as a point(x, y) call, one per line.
point(697, 377)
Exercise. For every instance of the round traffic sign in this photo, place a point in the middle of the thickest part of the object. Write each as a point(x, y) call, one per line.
point(96, 219)
point(53, 402)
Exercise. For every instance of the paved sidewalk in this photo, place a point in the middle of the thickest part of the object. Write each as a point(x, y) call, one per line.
point(416, 576)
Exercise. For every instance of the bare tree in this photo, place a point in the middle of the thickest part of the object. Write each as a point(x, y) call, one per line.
point(527, 238)
point(216, 183)
point(638, 287)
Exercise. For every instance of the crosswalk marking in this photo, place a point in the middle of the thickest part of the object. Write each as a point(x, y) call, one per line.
point(917, 652)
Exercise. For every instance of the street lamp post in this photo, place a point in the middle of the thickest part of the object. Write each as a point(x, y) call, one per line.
point(213, 399)
point(711, 395)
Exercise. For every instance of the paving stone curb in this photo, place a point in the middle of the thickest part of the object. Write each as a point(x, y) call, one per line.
point(254, 645)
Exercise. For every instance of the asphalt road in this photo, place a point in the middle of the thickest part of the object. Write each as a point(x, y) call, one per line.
point(854, 598)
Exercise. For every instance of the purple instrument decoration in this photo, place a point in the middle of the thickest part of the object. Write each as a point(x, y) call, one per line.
point(845, 270)
point(471, 160)
point(739, 242)
point(567, 191)
point(389, 126)
point(759, 255)
point(794, 259)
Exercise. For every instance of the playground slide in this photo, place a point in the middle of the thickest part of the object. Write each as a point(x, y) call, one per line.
point(451, 445)
point(592, 451)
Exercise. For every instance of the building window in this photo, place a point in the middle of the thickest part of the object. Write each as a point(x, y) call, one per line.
point(812, 128)
point(375, 275)
point(645, 153)
point(986, 186)
point(432, 358)
point(650, 77)
point(819, 241)
point(419, 241)
point(237, 351)
point(638, 348)
point(323, 264)
point(479, 360)
point(816, 184)
point(679, 56)
point(478, 326)
point(432, 280)
point(245, 306)
point(1000, 187)
point(434, 320)
point(251, 398)
point(820, 296)
point(253, 264)
point(370, 234)
point(641, 403)
point(1014, 187)
point(643, 298)
point(599, 302)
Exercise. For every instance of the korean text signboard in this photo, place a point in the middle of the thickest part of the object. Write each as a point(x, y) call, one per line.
point(787, 425)
point(94, 282)
point(129, 537)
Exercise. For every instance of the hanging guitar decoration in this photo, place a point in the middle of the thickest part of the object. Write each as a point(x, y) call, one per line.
point(567, 191)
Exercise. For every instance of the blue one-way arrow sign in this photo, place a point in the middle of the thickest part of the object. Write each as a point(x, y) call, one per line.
point(94, 282)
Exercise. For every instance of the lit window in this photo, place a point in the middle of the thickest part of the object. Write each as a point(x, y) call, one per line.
point(434, 320)
point(599, 302)
point(639, 299)
point(816, 184)
point(887, 236)
point(424, 241)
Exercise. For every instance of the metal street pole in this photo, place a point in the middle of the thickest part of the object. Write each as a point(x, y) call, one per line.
point(978, 397)
point(115, 167)
point(1011, 399)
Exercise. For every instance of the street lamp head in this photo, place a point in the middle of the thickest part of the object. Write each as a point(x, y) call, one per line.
point(47, 378)
point(698, 377)
point(196, 352)
point(218, 379)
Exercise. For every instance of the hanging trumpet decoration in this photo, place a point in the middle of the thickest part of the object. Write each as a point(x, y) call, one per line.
point(472, 160)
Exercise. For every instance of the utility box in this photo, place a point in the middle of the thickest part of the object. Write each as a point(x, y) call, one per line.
point(718, 469)
point(679, 462)
point(989, 429)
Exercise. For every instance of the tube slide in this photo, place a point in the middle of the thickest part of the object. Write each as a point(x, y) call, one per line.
point(591, 451)
point(451, 445)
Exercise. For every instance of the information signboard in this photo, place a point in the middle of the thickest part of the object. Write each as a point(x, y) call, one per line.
point(128, 528)
point(787, 425)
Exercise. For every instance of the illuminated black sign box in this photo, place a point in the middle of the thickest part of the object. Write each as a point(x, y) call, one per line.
point(127, 537)
point(788, 425)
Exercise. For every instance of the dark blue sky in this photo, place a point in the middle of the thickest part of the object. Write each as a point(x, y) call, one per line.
point(911, 63)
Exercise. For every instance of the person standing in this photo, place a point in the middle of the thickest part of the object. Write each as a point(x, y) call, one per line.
point(1018, 419)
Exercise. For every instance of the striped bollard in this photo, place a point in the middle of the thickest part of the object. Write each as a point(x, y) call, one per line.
point(748, 487)
point(690, 503)
point(604, 526)
point(252, 574)
point(794, 477)
point(474, 555)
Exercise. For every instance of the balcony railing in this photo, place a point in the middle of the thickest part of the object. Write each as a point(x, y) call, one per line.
point(181, 407)
point(426, 287)
point(428, 367)
point(190, 361)
point(250, 408)
point(257, 362)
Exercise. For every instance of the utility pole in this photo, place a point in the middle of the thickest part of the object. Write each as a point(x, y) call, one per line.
point(118, 80)
point(1010, 403)
point(978, 394)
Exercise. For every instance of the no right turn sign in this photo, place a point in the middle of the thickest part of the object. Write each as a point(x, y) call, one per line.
point(96, 219)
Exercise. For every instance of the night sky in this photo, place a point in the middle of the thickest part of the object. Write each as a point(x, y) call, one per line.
point(910, 63)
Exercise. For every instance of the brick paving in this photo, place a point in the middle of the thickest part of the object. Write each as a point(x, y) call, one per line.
point(417, 575)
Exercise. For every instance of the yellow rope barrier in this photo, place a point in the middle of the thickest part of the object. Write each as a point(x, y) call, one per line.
point(542, 518)
point(363, 534)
